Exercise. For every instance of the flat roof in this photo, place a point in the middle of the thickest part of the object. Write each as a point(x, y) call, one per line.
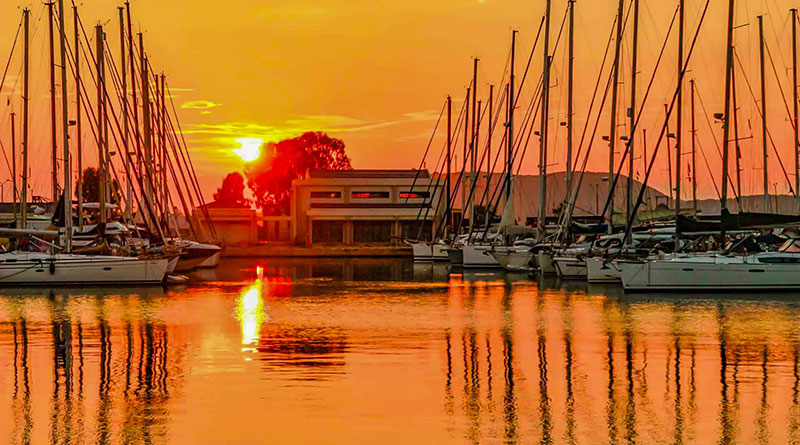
point(367, 173)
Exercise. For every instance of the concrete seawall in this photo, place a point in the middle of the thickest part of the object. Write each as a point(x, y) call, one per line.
point(291, 251)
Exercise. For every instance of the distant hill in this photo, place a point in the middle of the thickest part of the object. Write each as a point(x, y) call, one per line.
point(591, 198)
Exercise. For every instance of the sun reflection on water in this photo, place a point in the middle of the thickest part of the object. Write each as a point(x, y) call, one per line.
point(250, 311)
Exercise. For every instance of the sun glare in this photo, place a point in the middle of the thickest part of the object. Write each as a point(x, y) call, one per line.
point(250, 149)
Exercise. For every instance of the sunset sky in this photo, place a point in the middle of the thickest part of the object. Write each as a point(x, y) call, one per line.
point(376, 73)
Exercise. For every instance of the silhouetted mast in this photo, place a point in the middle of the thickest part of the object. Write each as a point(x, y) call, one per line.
point(570, 93)
point(101, 135)
point(763, 112)
point(511, 105)
point(65, 128)
point(613, 131)
point(632, 116)
point(448, 186)
point(54, 147)
point(125, 125)
point(694, 150)
point(679, 129)
point(78, 105)
point(26, 15)
point(542, 223)
point(726, 115)
point(14, 164)
point(795, 101)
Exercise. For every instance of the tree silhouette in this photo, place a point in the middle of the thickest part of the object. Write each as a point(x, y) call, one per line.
point(231, 192)
point(90, 183)
point(270, 176)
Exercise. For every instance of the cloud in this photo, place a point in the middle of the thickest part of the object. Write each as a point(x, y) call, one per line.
point(200, 105)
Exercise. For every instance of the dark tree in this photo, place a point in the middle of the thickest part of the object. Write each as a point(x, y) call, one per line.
point(231, 193)
point(271, 175)
point(90, 183)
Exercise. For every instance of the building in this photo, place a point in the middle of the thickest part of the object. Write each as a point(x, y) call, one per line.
point(365, 207)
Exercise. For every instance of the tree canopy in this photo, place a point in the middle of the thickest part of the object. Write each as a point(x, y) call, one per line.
point(90, 184)
point(270, 176)
point(231, 192)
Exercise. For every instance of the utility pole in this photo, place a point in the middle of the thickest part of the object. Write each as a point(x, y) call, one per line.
point(26, 18)
point(78, 105)
point(125, 125)
point(54, 147)
point(448, 188)
point(101, 136)
point(613, 131)
point(795, 101)
point(542, 218)
point(570, 94)
point(510, 123)
point(694, 151)
point(679, 129)
point(767, 204)
point(65, 127)
point(632, 118)
point(726, 118)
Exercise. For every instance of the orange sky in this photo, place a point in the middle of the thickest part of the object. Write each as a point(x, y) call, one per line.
point(376, 73)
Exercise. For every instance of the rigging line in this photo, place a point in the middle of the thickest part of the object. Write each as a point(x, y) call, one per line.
point(2, 85)
point(613, 186)
point(424, 156)
point(629, 225)
point(708, 167)
point(528, 65)
point(459, 120)
point(594, 94)
point(780, 87)
point(493, 166)
point(736, 193)
point(769, 133)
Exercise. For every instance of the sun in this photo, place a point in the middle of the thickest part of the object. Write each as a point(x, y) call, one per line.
point(250, 149)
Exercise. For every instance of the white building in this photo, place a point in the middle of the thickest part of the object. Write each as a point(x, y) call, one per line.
point(365, 207)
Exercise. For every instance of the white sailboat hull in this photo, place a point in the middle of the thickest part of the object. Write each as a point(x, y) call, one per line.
point(570, 268)
point(544, 260)
point(514, 259)
point(713, 273)
point(37, 269)
point(479, 257)
point(426, 253)
point(599, 270)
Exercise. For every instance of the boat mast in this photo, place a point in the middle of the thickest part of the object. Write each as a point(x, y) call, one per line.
point(148, 137)
point(489, 163)
point(510, 123)
point(694, 151)
point(101, 85)
point(465, 163)
point(26, 15)
point(736, 132)
point(726, 118)
point(542, 224)
point(14, 164)
point(613, 131)
point(448, 186)
point(632, 116)
point(134, 95)
point(763, 113)
point(54, 147)
point(570, 93)
point(795, 101)
point(65, 127)
point(164, 157)
point(473, 176)
point(125, 125)
point(78, 129)
point(679, 129)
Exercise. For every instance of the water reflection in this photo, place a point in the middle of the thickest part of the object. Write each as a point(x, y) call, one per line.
point(354, 351)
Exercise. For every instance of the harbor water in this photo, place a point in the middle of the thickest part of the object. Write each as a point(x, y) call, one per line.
point(364, 351)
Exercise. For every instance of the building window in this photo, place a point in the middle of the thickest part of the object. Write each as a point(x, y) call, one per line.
point(415, 195)
point(327, 231)
point(370, 195)
point(326, 195)
point(372, 231)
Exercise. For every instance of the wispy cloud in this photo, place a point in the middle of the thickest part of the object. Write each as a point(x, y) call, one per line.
point(200, 105)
